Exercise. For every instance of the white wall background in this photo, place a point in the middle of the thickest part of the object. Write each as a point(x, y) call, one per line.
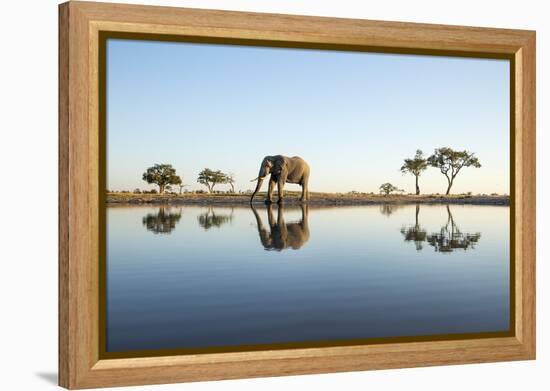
point(28, 161)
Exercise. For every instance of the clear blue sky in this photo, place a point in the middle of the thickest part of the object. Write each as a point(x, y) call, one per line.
point(352, 116)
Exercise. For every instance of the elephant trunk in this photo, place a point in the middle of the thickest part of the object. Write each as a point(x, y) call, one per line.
point(260, 181)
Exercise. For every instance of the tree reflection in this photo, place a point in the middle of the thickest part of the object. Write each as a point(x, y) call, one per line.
point(448, 239)
point(415, 233)
point(162, 222)
point(388, 209)
point(282, 235)
point(211, 219)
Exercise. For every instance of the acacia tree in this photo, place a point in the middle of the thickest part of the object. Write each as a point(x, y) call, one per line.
point(230, 179)
point(450, 162)
point(179, 184)
point(162, 175)
point(388, 188)
point(210, 178)
point(415, 166)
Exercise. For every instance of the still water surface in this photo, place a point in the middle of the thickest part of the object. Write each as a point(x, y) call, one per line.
point(198, 276)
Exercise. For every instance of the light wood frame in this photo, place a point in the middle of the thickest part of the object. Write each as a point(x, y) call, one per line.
point(80, 24)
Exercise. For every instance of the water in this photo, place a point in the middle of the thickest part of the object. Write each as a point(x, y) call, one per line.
point(196, 277)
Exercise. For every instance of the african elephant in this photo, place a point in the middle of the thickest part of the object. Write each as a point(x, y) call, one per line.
point(282, 235)
point(283, 170)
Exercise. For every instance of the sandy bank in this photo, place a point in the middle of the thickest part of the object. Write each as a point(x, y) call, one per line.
point(315, 199)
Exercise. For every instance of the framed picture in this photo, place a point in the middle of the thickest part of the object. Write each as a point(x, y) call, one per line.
point(246, 195)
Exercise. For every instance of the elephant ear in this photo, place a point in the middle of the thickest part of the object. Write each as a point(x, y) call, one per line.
point(279, 166)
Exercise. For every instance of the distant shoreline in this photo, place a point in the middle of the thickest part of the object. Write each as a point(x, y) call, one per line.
point(332, 199)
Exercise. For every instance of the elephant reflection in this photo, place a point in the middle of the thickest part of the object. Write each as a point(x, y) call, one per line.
point(211, 219)
point(415, 233)
point(282, 235)
point(450, 238)
point(162, 222)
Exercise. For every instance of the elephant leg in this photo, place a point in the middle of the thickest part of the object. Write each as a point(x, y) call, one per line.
point(270, 190)
point(281, 190)
point(305, 190)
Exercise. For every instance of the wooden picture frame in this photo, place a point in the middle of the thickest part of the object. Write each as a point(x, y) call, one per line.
point(80, 188)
